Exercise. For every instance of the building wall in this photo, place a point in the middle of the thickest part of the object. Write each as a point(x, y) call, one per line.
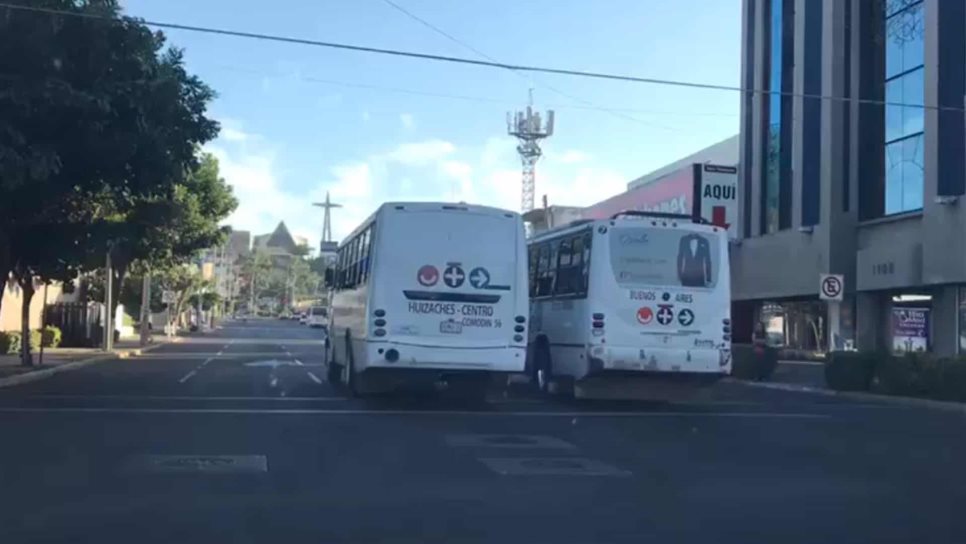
point(837, 220)
point(10, 310)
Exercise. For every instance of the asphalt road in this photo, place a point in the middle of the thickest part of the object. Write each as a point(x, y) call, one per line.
point(235, 437)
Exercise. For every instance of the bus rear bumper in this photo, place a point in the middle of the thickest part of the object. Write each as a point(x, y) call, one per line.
point(399, 356)
point(658, 360)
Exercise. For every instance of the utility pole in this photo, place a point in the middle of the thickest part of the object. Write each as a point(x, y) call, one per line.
point(145, 332)
point(108, 302)
point(529, 129)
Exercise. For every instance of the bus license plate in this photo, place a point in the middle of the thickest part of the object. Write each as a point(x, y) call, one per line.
point(450, 327)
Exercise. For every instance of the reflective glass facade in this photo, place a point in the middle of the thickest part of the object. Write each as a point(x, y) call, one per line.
point(904, 71)
point(772, 184)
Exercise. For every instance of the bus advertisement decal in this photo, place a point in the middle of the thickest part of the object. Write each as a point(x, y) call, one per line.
point(427, 276)
point(438, 296)
point(645, 315)
point(665, 314)
point(643, 295)
point(454, 275)
point(450, 308)
point(685, 317)
point(480, 279)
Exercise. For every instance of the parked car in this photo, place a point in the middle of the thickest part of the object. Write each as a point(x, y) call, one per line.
point(318, 317)
point(303, 318)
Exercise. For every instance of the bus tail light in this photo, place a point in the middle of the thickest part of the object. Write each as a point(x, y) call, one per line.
point(379, 313)
point(726, 329)
point(518, 338)
point(379, 332)
point(598, 324)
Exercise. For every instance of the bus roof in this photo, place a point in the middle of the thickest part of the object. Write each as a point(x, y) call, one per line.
point(392, 207)
point(586, 224)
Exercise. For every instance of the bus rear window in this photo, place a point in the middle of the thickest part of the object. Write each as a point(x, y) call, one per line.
point(664, 257)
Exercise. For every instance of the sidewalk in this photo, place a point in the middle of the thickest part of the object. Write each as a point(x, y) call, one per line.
point(60, 359)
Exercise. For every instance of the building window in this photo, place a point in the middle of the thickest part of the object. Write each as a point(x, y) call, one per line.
point(904, 84)
point(776, 201)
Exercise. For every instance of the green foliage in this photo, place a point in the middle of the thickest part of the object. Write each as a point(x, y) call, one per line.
point(922, 375)
point(9, 342)
point(51, 336)
point(753, 362)
point(851, 370)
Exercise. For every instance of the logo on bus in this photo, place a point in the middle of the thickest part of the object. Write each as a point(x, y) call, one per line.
point(645, 315)
point(454, 275)
point(665, 314)
point(686, 317)
point(427, 275)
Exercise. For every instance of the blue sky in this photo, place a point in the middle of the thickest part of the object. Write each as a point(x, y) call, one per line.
point(299, 120)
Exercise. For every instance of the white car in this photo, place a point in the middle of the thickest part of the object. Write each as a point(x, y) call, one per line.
point(318, 317)
point(303, 318)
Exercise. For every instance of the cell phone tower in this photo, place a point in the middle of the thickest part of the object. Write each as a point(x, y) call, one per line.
point(529, 129)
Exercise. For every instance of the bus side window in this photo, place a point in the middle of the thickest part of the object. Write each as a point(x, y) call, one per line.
point(550, 276)
point(543, 271)
point(355, 261)
point(534, 252)
point(574, 282)
point(363, 255)
point(564, 265)
point(585, 264)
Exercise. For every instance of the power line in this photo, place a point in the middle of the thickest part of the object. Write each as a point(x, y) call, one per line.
point(474, 62)
point(465, 45)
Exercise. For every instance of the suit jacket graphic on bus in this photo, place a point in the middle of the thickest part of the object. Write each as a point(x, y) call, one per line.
point(694, 261)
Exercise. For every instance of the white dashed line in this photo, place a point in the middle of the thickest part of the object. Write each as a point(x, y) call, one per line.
point(188, 376)
point(273, 382)
point(299, 363)
point(208, 360)
point(314, 378)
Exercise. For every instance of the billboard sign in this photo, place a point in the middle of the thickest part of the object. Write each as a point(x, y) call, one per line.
point(910, 329)
point(671, 194)
point(717, 190)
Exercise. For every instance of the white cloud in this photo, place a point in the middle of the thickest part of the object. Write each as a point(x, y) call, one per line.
point(573, 156)
point(421, 152)
point(429, 170)
point(407, 120)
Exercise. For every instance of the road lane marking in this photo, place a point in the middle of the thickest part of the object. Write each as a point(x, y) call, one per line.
point(299, 363)
point(208, 360)
point(314, 378)
point(355, 412)
point(188, 376)
point(179, 397)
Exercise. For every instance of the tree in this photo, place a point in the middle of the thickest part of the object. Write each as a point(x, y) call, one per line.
point(88, 134)
point(162, 232)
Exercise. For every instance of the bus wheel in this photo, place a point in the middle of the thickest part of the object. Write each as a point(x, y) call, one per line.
point(349, 369)
point(543, 367)
point(333, 370)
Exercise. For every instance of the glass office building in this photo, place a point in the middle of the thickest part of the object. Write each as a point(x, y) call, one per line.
point(852, 162)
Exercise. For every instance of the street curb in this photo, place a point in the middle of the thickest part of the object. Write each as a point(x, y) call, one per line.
point(44, 373)
point(855, 395)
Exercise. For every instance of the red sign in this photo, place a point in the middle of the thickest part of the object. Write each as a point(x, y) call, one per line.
point(673, 193)
point(428, 275)
point(645, 315)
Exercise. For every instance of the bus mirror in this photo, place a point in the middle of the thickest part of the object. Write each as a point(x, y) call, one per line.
point(328, 277)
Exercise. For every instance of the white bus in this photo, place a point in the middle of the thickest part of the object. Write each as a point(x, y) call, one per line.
point(429, 292)
point(641, 295)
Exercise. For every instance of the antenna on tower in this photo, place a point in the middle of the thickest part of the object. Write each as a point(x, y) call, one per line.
point(328, 205)
point(529, 129)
